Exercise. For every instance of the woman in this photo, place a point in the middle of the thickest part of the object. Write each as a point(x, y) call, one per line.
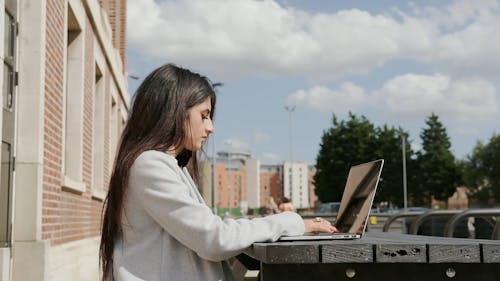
point(156, 225)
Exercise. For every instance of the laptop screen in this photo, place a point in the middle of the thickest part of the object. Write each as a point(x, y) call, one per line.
point(358, 197)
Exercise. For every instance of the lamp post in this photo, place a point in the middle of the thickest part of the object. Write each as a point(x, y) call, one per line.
point(405, 195)
point(214, 155)
point(229, 144)
point(290, 110)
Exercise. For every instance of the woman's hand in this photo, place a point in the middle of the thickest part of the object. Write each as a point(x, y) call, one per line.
point(319, 225)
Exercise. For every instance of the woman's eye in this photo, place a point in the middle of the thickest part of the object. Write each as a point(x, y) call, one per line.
point(204, 117)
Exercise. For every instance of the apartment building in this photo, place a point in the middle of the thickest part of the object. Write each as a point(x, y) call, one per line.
point(296, 183)
point(241, 181)
point(65, 102)
point(236, 176)
point(313, 198)
point(271, 183)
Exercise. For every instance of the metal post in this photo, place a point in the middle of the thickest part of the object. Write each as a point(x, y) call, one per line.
point(290, 109)
point(214, 157)
point(405, 196)
point(229, 144)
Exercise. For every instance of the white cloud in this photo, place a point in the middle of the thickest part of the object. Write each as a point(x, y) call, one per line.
point(250, 37)
point(349, 97)
point(410, 97)
point(465, 36)
point(413, 97)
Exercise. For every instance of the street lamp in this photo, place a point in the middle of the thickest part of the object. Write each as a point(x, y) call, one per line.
point(214, 165)
point(290, 109)
point(229, 144)
point(403, 150)
point(134, 76)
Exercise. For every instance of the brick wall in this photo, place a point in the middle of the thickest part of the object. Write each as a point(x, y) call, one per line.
point(270, 186)
point(123, 34)
point(51, 211)
point(116, 10)
point(69, 216)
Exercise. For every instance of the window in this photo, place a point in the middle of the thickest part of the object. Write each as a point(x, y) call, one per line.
point(73, 123)
point(8, 120)
point(9, 64)
point(114, 132)
point(5, 197)
point(98, 136)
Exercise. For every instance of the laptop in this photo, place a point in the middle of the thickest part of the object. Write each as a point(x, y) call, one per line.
point(355, 206)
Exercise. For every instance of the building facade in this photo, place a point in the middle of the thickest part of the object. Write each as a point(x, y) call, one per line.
point(65, 102)
point(296, 183)
point(240, 181)
point(271, 184)
point(313, 198)
point(236, 174)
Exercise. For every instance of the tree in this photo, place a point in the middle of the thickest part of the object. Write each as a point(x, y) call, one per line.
point(389, 147)
point(347, 143)
point(437, 174)
point(482, 170)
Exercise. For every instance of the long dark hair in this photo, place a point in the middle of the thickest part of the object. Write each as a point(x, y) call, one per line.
point(156, 122)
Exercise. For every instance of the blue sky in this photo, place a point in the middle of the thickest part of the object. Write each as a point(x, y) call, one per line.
point(395, 62)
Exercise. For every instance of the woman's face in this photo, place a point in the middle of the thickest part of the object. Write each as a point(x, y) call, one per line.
point(199, 125)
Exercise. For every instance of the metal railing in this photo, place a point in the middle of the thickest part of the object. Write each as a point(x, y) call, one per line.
point(419, 218)
point(475, 213)
point(431, 214)
point(396, 216)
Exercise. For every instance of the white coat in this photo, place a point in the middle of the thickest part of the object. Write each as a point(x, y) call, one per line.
point(169, 233)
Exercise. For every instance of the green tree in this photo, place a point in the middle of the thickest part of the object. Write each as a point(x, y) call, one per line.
point(345, 144)
point(437, 174)
point(482, 170)
point(389, 147)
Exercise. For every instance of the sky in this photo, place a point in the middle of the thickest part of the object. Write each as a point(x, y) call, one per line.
point(395, 62)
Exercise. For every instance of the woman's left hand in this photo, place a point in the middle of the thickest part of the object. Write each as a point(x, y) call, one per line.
point(319, 225)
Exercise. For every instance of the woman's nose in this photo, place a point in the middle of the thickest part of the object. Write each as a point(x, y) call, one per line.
point(210, 127)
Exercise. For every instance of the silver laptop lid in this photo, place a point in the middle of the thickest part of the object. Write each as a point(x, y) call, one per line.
point(358, 196)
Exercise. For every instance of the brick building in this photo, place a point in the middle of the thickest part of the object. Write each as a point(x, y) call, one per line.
point(313, 198)
point(235, 178)
point(65, 101)
point(271, 184)
point(296, 183)
point(241, 179)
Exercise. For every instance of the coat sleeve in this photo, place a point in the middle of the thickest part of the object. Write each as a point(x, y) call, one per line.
point(165, 197)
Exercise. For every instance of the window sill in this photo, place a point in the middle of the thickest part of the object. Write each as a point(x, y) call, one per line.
point(98, 194)
point(73, 186)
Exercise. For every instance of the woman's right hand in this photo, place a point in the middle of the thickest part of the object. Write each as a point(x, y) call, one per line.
point(317, 225)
